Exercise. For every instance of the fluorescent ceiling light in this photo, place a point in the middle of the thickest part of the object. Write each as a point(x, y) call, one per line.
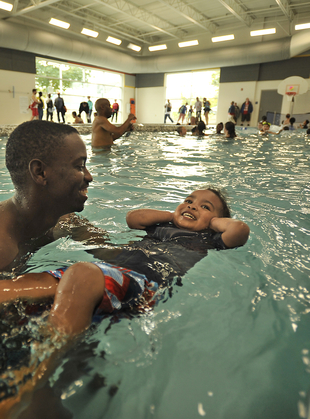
point(188, 43)
point(6, 6)
point(158, 47)
point(223, 38)
point(60, 23)
point(114, 41)
point(302, 26)
point(134, 47)
point(89, 32)
point(263, 32)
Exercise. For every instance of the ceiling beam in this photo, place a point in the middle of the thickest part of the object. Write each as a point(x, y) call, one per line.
point(284, 6)
point(33, 8)
point(238, 11)
point(15, 5)
point(139, 14)
point(191, 14)
point(97, 21)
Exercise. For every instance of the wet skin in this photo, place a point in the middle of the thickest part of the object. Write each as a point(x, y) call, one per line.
point(197, 210)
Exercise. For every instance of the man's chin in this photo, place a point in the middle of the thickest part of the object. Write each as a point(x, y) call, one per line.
point(79, 207)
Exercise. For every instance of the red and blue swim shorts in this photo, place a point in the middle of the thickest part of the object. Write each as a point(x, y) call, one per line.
point(123, 288)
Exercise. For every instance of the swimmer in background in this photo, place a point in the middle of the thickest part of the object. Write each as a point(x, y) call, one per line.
point(219, 128)
point(286, 122)
point(266, 129)
point(229, 130)
point(263, 121)
point(305, 124)
point(103, 132)
point(291, 125)
point(77, 118)
point(182, 131)
point(198, 130)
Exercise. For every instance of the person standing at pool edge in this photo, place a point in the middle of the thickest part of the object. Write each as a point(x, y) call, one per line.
point(103, 132)
point(90, 109)
point(34, 105)
point(168, 109)
point(246, 110)
point(115, 108)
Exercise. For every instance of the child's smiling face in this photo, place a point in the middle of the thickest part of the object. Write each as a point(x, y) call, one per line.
point(197, 210)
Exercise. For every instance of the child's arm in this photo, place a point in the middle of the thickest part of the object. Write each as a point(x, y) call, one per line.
point(234, 232)
point(142, 218)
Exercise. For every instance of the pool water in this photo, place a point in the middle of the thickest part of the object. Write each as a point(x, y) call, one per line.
point(233, 340)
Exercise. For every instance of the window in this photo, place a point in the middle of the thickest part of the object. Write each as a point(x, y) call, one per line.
point(75, 83)
point(185, 87)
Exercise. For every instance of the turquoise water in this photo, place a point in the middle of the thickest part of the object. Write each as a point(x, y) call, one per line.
point(233, 341)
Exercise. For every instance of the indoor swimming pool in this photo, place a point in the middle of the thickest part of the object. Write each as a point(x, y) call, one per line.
point(231, 340)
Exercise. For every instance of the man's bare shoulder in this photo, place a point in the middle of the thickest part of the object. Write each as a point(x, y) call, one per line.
point(101, 135)
point(8, 241)
point(99, 123)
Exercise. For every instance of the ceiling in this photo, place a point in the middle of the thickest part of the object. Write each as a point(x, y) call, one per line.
point(146, 23)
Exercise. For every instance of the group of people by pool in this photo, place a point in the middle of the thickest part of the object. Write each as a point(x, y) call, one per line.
point(288, 124)
point(188, 113)
point(47, 165)
point(198, 130)
point(263, 126)
point(233, 112)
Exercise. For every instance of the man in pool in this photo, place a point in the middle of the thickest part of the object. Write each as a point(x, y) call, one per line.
point(103, 132)
point(46, 162)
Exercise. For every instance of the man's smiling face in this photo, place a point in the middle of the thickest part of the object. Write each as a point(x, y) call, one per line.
point(68, 177)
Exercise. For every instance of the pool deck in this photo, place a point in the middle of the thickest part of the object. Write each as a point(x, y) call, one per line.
point(84, 129)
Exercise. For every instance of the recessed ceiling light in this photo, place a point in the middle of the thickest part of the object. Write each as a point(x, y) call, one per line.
point(302, 26)
point(114, 41)
point(158, 47)
point(188, 44)
point(89, 32)
point(263, 32)
point(223, 38)
point(134, 47)
point(60, 23)
point(6, 6)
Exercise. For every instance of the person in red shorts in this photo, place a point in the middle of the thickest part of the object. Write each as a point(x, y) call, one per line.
point(115, 108)
point(34, 105)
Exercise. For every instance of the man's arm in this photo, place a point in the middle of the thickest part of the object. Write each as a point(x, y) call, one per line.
point(80, 229)
point(29, 287)
point(234, 232)
point(117, 131)
point(142, 218)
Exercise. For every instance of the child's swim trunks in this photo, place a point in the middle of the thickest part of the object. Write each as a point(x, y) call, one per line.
point(123, 287)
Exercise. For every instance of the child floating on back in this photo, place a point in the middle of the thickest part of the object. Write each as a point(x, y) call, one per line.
point(180, 238)
point(84, 287)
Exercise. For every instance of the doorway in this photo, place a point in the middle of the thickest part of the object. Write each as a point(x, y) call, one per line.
point(270, 105)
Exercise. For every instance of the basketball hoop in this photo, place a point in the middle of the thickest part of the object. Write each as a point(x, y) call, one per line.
point(290, 96)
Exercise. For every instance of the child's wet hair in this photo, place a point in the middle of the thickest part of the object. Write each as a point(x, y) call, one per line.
point(222, 196)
